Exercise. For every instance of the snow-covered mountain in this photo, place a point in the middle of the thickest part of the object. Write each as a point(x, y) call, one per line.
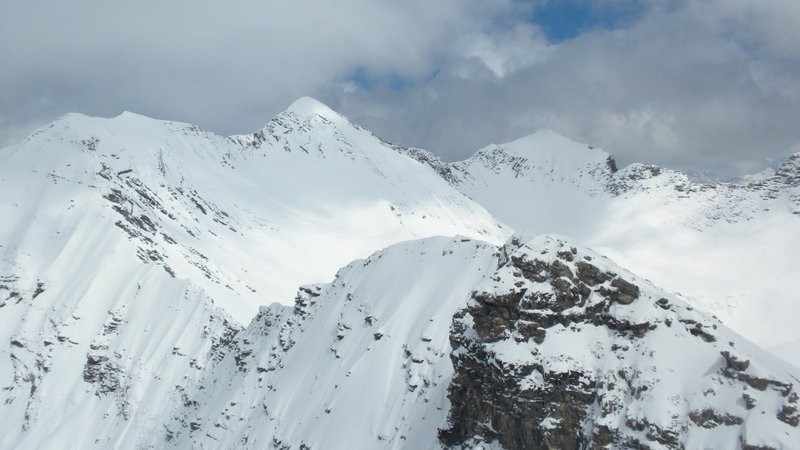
point(450, 342)
point(733, 249)
point(551, 346)
point(358, 363)
point(149, 277)
point(297, 200)
point(129, 240)
point(542, 182)
point(564, 349)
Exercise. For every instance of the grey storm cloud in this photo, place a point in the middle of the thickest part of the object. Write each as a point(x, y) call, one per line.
point(710, 85)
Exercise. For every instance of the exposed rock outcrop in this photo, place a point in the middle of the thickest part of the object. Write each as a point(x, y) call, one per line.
point(562, 349)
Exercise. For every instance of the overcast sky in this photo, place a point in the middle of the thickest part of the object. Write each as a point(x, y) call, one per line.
point(704, 84)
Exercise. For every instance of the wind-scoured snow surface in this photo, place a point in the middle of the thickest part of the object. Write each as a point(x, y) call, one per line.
point(732, 249)
point(138, 257)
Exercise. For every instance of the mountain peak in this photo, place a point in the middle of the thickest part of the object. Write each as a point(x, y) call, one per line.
point(547, 153)
point(130, 115)
point(549, 143)
point(309, 106)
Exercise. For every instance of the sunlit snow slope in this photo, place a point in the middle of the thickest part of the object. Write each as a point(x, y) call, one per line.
point(130, 248)
point(555, 345)
point(249, 218)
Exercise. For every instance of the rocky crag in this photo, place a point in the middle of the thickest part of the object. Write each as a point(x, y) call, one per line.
point(563, 349)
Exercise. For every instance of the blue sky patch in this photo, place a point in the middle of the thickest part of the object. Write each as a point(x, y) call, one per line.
point(566, 19)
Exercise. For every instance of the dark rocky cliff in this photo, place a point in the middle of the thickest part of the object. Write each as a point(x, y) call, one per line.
point(565, 350)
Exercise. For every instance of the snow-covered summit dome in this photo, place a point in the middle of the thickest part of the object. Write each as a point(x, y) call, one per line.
point(306, 107)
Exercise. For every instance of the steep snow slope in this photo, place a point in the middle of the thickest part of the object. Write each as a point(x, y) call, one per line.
point(554, 345)
point(297, 200)
point(358, 363)
point(131, 249)
point(732, 249)
point(87, 328)
point(92, 364)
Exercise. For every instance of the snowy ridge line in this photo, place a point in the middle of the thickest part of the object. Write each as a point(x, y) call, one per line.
point(564, 348)
point(133, 251)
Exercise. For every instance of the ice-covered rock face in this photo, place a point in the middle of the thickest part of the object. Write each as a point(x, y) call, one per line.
point(563, 349)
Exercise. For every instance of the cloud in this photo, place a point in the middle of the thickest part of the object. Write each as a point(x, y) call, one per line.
point(705, 88)
point(501, 52)
point(704, 85)
point(227, 66)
